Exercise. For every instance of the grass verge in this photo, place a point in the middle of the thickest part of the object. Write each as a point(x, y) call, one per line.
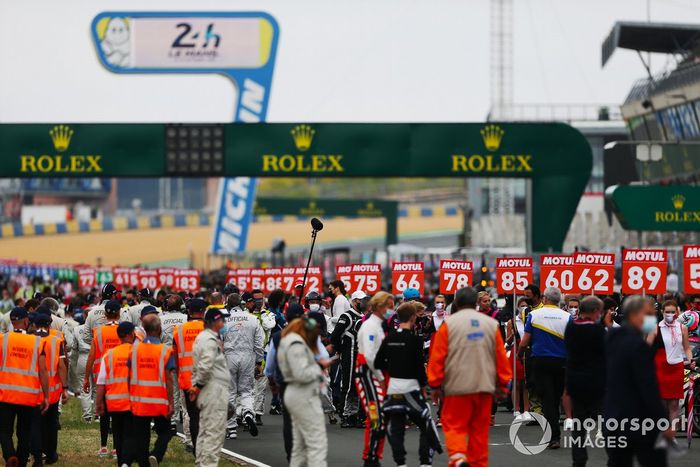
point(78, 443)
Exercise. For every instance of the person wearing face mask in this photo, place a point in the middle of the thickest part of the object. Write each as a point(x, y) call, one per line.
point(572, 305)
point(244, 343)
point(632, 388)
point(344, 340)
point(370, 382)
point(522, 411)
point(669, 340)
point(268, 322)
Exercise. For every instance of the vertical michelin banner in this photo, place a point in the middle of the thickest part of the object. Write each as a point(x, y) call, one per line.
point(241, 46)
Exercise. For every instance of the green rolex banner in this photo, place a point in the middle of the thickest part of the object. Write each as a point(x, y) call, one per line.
point(656, 207)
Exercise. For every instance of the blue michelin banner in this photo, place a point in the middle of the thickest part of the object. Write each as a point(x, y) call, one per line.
point(239, 45)
point(234, 213)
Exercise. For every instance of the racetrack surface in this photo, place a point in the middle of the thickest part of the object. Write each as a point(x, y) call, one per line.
point(173, 244)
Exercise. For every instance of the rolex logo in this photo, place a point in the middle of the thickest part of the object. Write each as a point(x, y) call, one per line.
point(492, 135)
point(61, 135)
point(678, 201)
point(303, 136)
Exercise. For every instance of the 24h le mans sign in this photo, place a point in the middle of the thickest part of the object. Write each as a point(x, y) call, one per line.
point(556, 157)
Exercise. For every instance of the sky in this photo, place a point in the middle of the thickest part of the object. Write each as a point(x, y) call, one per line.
point(337, 61)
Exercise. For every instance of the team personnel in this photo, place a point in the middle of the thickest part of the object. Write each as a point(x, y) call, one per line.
point(133, 314)
point(183, 339)
point(171, 317)
point(96, 314)
point(54, 351)
point(585, 370)
point(274, 375)
point(544, 329)
point(401, 356)
point(244, 341)
point(267, 321)
point(344, 340)
point(151, 392)
point(370, 381)
point(469, 340)
point(303, 376)
point(340, 302)
point(81, 351)
point(105, 338)
point(113, 392)
point(210, 389)
point(24, 388)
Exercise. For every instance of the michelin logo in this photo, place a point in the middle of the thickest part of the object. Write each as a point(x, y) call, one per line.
point(234, 214)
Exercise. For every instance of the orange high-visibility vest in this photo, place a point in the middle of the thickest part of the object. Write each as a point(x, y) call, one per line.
point(59, 334)
point(105, 338)
point(117, 378)
point(19, 369)
point(51, 346)
point(147, 390)
point(184, 336)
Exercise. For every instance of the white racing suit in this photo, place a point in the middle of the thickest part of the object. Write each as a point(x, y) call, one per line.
point(243, 347)
point(267, 321)
point(80, 356)
point(169, 320)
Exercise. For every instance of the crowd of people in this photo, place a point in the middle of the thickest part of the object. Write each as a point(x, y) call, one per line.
point(140, 363)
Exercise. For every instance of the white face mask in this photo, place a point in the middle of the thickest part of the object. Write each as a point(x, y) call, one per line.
point(573, 311)
point(669, 317)
point(314, 307)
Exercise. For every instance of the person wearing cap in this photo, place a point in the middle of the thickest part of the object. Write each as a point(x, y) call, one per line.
point(230, 288)
point(105, 338)
point(172, 316)
point(183, 342)
point(151, 366)
point(113, 392)
point(344, 340)
point(210, 389)
point(96, 313)
point(53, 348)
point(24, 380)
point(145, 298)
point(267, 321)
point(244, 340)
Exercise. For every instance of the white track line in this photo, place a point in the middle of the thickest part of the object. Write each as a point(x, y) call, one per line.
point(241, 457)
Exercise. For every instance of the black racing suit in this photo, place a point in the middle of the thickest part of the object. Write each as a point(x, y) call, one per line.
point(344, 340)
point(401, 355)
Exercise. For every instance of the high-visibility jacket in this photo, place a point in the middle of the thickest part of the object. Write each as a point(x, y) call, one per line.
point(19, 369)
point(147, 389)
point(117, 378)
point(51, 347)
point(105, 338)
point(59, 334)
point(183, 337)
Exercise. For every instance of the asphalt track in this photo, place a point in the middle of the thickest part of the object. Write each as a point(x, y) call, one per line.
point(345, 447)
point(174, 245)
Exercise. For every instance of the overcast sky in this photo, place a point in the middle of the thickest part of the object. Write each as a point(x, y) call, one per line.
point(361, 60)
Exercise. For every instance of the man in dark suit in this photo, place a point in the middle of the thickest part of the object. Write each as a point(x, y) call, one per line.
point(633, 392)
